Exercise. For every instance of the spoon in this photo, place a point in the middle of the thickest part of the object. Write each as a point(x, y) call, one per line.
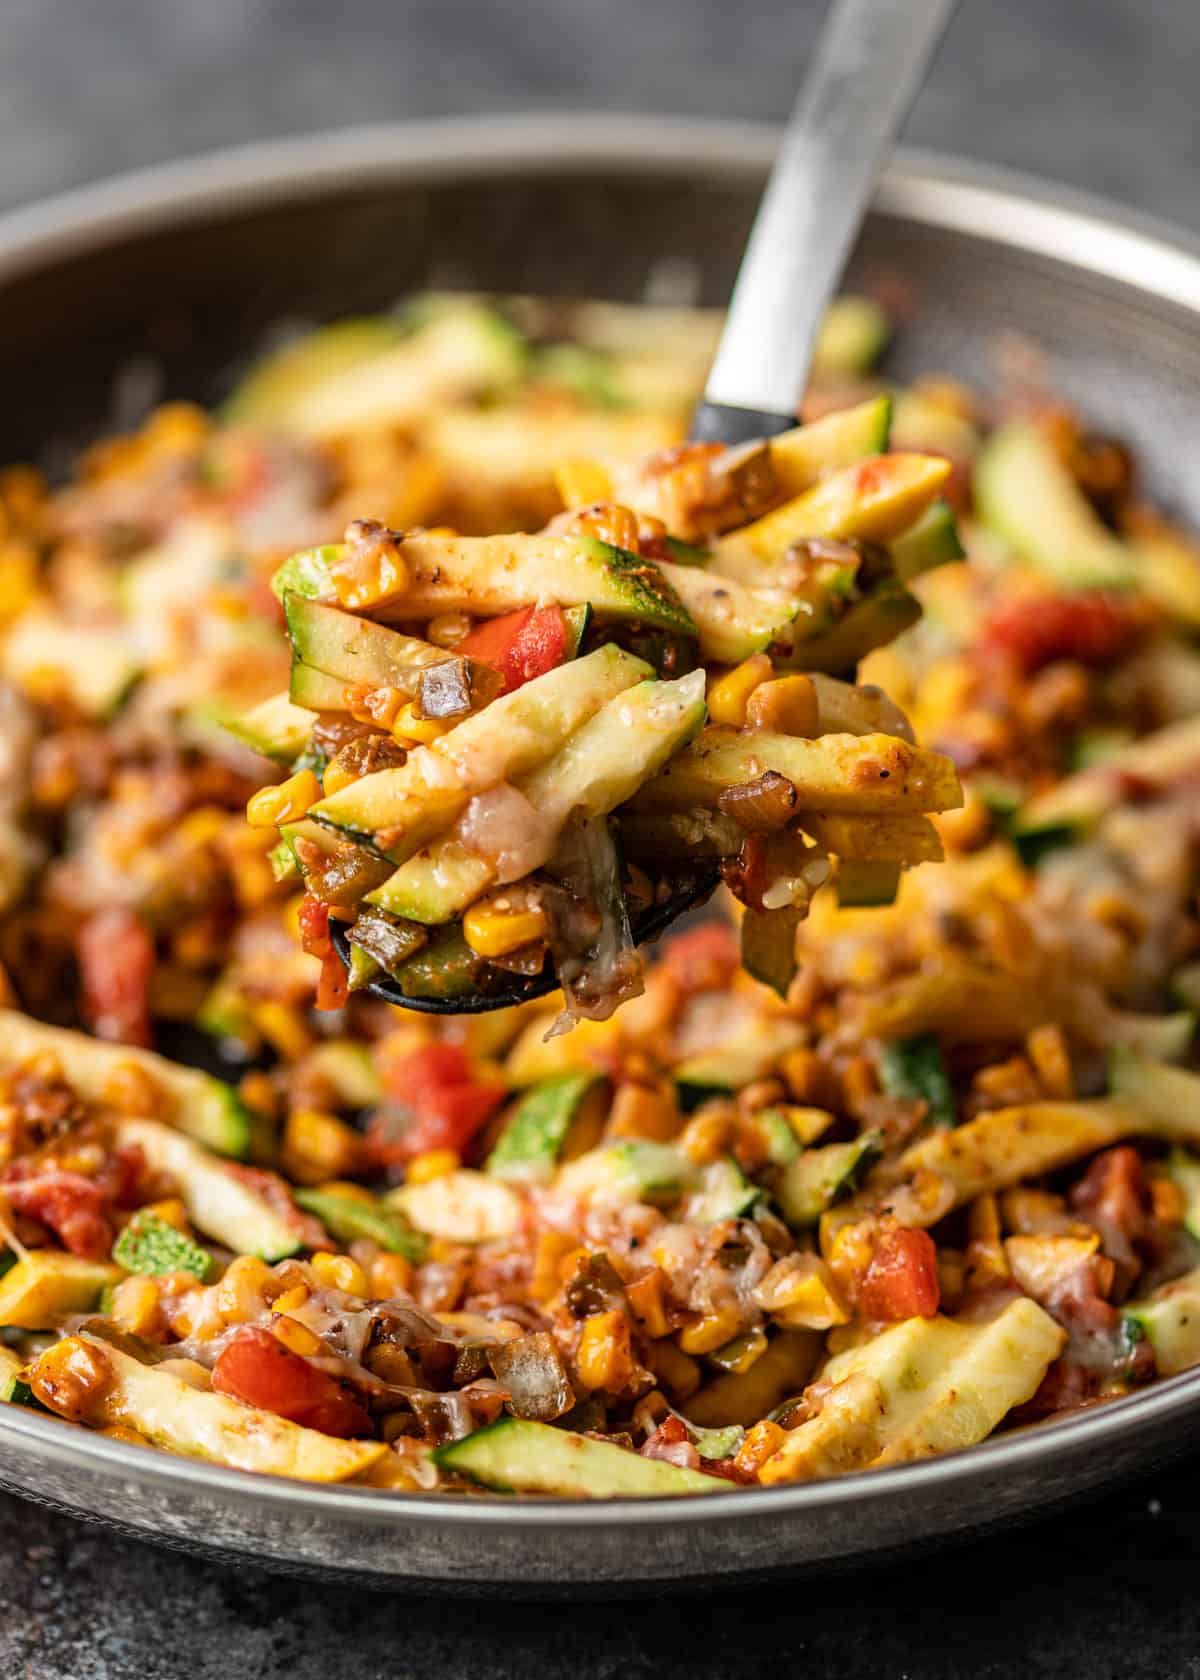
point(870, 61)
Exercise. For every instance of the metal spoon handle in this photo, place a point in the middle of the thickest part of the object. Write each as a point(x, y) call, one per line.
point(870, 61)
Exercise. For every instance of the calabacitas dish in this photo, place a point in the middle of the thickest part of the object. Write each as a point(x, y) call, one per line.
point(686, 1246)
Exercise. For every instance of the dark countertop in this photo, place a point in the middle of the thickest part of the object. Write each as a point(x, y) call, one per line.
point(1096, 92)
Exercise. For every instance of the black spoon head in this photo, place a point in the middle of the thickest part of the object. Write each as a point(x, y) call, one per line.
point(720, 423)
point(648, 925)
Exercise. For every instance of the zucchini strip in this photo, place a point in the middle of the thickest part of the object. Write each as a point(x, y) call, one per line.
point(838, 773)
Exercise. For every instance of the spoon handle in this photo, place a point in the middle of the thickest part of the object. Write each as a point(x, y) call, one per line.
point(869, 62)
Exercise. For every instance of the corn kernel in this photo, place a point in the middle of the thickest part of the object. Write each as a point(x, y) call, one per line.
point(805, 1075)
point(729, 693)
point(364, 578)
point(336, 778)
point(553, 1247)
point(605, 1356)
point(389, 1275)
point(283, 1027)
point(647, 1304)
point(434, 1163)
point(639, 1112)
point(176, 428)
point(297, 1337)
point(581, 482)
point(289, 800)
point(132, 1090)
point(761, 1443)
point(491, 932)
point(339, 1271)
point(446, 630)
point(136, 1307)
point(788, 705)
point(243, 1291)
point(1047, 1047)
point(172, 1212)
point(407, 726)
point(292, 1299)
point(705, 1137)
point(710, 1330)
point(318, 1146)
point(608, 522)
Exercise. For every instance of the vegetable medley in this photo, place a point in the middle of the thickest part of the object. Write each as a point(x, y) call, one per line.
point(881, 1160)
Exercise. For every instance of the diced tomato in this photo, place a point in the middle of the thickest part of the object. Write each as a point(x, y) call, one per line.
point(67, 1203)
point(116, 959)
point(314, 926)
point(521, 645)
point(333, 987)
point(256, 1368)
point(447, 1104)
point(704, 959)
point(901, 1280)
point(672, 1443)
point(1093, 626)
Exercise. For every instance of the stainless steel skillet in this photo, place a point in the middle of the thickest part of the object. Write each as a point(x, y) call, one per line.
point(184, 268)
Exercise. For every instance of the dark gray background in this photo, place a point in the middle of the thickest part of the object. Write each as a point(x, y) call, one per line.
point(1101, 93)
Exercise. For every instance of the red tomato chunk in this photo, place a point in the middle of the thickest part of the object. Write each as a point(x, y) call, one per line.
point(901, 1280)
point(448, 1105)
point(520, 645)
point(256, 1368)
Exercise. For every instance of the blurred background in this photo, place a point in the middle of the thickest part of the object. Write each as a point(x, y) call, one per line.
point(1099, 93)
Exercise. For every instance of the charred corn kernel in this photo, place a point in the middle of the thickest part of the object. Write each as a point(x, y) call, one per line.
point(434, 1163)
point(289, 800)
point(297, 1337)
point(639, 1112)
point(388, 1275)
point(408, 726)
point(804, 1075)
point(580, 482)
point(493, 932)
point(605, 1356)
point(171, 1211)
point(704, 1138)
point(336, 778)
point(729, 693)
point(1047, 1047)
point(339, 1271)
point(608, 522)
point(364, 578)
point(552, 1249)
point(788, 705)
point(710, 1330)
point(282, 1025)
point(647, 1303)
point(448, 629)
point(247, 1285)
point(678, 1373)
point(18, 577)
point(136, 1306)
point(318, 1145)
point(761, 1443)
point(293, 1298)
